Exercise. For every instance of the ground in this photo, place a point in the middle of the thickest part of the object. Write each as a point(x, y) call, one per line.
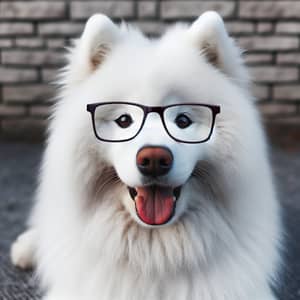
point(19, 164)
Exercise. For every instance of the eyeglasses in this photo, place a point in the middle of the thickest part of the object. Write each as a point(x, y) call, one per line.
point(122, 121)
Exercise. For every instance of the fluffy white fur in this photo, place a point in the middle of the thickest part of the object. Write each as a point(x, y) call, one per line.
point(223, 242)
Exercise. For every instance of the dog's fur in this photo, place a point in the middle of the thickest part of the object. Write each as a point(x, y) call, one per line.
point(223, 241)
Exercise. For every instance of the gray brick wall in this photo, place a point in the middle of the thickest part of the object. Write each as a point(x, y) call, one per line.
point(33, 34)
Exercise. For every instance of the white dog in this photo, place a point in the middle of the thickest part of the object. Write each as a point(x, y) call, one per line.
point(162, 189)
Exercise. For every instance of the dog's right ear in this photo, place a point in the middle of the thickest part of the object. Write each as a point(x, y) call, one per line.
point(99, 35)
point(90, 51)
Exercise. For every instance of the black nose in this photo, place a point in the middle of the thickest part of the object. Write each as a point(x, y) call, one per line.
point(154, 161)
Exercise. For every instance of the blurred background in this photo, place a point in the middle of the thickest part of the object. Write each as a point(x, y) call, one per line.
point(33, 35)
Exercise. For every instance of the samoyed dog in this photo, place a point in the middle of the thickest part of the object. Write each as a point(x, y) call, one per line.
point(155, 182)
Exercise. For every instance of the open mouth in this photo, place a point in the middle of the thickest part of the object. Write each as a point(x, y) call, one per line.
point(155, 205)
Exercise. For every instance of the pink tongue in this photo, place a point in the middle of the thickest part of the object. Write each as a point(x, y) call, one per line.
point(154, 205)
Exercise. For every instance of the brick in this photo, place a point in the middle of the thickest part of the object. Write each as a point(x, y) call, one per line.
point(60, 29)
point(32, 58)
point(288, 58)
point(30, 42)
point(114, 9)
point(40, 110)
point(269, 43)
point(274, 74)
point(147, 9)
point(269, 9)
point(33, 10)
point(277, 109)
point(293, 121)
point(55, 43)
point(27, 93)
point(284, 132)
point(6, 43)
point(288, 27)
point(24, 128)
point(258, 58)
point(153, 28)
point(287, 92)
point(49, 75)
point(192, 9)
point(22, 28)
point(236, 27)
point(264, 27)
point(9, 75)
point(260, 92)
point(10, 110)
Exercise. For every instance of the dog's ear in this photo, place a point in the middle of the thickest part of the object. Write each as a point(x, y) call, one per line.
point(99, 35)
point(98, 38)
point(209, 35)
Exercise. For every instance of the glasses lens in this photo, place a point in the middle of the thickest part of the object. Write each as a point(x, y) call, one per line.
point(189, 123)
point(117, 122)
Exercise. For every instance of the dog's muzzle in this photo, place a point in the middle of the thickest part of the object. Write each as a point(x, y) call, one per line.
point(155, 203)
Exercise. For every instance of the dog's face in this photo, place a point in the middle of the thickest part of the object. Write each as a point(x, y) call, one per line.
point(185, 66)
point(155, 169)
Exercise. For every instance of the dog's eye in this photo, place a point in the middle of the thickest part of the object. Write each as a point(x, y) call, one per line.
point(124, 121)
point(183, 121)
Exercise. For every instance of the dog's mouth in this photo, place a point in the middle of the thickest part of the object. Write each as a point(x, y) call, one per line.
point(155, 205)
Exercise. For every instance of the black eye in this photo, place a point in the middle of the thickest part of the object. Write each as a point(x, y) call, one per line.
point(182, 121)
point(124, 121)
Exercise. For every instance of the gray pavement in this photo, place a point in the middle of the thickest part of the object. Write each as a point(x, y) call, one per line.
point(19, 164)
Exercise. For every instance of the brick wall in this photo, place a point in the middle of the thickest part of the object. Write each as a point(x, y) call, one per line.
point(32, 34)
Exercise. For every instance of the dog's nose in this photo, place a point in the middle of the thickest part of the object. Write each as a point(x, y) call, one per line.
point(154, 161)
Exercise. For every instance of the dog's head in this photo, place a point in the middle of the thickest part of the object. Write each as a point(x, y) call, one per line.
point(153, 150)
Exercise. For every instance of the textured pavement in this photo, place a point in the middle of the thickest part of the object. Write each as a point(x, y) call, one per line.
point(19, 165)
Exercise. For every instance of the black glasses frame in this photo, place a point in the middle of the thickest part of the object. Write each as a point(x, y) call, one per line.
point(215, 109)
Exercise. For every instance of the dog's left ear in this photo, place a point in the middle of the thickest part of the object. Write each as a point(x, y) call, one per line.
point(209, 35)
